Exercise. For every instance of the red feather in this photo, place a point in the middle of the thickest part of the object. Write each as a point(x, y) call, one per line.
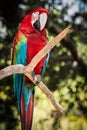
point(27, 115)
point(35, 43)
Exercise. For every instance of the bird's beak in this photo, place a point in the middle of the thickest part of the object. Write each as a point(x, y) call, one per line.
point(39, 21)
point(42, 20)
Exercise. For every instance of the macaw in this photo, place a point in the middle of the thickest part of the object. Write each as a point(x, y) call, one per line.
point(29, 40)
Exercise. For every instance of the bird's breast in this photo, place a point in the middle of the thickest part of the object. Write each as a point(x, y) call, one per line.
point(34, 45)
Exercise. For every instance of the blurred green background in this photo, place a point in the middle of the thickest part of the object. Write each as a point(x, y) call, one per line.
point(66, 74)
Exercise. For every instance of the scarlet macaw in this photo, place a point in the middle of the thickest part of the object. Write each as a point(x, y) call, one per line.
point(29, 40)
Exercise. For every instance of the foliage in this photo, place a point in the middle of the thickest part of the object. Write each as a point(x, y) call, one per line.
point(66, 74)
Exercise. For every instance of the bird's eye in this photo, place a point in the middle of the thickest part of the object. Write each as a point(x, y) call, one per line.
point(35, 16)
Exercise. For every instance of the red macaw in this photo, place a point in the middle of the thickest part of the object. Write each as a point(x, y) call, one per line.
point(29, 40)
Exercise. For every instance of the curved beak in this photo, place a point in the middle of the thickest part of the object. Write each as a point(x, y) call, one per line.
point(42, 20)
point(39, 21)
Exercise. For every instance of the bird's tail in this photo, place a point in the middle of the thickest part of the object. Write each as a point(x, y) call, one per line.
point(27, 115)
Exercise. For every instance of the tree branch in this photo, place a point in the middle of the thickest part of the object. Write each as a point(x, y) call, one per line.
point(27, 70)
point(13, 69)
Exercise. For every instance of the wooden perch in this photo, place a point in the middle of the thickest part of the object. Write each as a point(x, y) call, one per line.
point(27, 70)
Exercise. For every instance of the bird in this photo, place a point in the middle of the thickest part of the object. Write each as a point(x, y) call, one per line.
point(30, 38)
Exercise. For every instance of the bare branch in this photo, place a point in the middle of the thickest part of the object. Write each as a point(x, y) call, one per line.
point(29, 68)
point(20, 69)
point(48, 93)
point(13, 69)
point(50, 96)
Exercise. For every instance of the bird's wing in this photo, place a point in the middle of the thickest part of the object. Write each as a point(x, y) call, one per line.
point(19, 50)
point(19, 57)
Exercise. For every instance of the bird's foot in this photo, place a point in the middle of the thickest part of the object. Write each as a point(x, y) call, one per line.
point(36, 77)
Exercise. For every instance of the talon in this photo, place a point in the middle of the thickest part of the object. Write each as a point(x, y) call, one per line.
point(38, 77)
point(33, 75)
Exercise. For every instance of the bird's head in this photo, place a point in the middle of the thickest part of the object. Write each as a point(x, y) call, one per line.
point(36, 19)
point(39, 18)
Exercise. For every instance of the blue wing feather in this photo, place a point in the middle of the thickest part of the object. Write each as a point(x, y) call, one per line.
point(19, 86)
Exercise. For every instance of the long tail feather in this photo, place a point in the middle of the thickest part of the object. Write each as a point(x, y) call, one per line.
point(27, 115)
point(22, 113)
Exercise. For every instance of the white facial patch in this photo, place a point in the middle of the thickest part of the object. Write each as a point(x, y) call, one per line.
point(35, 16)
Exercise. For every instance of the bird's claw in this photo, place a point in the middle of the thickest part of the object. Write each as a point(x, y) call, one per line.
point(36, 77)
point(33, 75)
